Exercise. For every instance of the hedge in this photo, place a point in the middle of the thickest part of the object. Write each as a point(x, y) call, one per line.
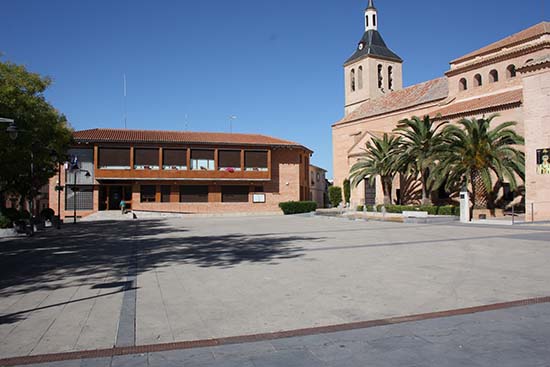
point(47, 213)
point(431, 209)
point(335, 195)
point(5, 222)
point(297, 207)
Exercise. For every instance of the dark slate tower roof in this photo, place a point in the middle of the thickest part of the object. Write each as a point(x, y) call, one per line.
point(373, 45)
point(371, 5)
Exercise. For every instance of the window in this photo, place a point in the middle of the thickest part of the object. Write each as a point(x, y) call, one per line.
point(229, 160)
point(511, 71)
point(478, 82)
point(367, 20)
point(508, 194)
point(374, 20)
point(463, 84)
point(202, 159)
point(380, 77)
point(82, 197)
point(258, 189)
point(193, 194)
point(148, 193)
point(318, 177)
point(174, 159)
point(114, 158)
point(360, 77)
point(390, 78)
point(352, 80)
point(146, 158)
point(493, 76)
point(255, 160)
point(235, 194)
point(165, 191)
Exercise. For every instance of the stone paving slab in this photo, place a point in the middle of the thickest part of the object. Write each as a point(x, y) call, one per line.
point(201, 278)
point(517, 336)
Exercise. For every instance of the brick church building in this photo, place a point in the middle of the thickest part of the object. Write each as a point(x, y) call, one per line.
point(510, 77)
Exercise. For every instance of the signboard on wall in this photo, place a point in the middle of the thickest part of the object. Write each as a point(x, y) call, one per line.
point(543, 161)
point(258, 198)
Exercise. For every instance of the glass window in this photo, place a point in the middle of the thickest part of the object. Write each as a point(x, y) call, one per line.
point(202, 159)
point(148, 193)
point(114, 158)
point(146, 158)
point(194, 194)
point(235, 194)
point(352, 80)
point(255, 160)
point(174, 159)
point(80, 196)
point(229, 160)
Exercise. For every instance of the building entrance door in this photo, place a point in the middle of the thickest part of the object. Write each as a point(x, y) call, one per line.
point(111, 196)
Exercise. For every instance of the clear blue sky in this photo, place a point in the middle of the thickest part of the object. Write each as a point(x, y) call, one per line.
point(277, 65)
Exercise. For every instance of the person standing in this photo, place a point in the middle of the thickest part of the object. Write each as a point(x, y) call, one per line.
point(122, 207)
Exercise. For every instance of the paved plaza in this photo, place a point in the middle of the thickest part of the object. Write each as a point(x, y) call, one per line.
point(107, 284)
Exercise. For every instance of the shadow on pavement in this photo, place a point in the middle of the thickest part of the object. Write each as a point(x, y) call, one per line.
point(98, 254)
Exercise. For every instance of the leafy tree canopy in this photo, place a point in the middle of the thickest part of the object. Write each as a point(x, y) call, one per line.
point(42, 130)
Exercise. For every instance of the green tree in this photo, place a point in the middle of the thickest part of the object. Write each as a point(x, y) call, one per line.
point(422, 142)
point(335, 195)
point(378, 159)
point(347, 191)
point(42, 130)
point(474, 154)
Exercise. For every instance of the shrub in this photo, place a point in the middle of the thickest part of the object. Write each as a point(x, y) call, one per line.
point(5, 222)
point(431, 209)
point(360, 208)
point(297, 207)
point(47, 213)
point(347, 191)
point(24, 214)
point(11, 213)
point(449, 210)
point(335, 195)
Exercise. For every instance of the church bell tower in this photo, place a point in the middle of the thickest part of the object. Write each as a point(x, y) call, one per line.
point(373, 70)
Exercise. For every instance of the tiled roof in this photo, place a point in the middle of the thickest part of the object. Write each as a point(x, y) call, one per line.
point(415, 95)
point(185, 137)
point(490, 103)
point(525, 35)
point(373, 45)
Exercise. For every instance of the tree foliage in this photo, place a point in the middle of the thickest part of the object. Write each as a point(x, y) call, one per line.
point(379, 158)
point(42, 130)
point(347, 190)
point(422, 141)
point(335, 195)
point(474, 154)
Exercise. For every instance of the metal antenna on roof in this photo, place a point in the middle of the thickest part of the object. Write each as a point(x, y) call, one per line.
point(186, 123)
point(125, 109)
point(231, 118)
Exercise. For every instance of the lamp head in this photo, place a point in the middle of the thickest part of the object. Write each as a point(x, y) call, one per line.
point(12, 130)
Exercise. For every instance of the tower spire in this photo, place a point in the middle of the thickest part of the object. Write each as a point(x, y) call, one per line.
point(371, 17)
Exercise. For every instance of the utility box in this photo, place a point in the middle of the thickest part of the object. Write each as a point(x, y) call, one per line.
point(464, 206)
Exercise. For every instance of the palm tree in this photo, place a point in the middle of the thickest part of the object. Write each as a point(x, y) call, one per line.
point(378, 159)
point(422, 142)
point(474, 154)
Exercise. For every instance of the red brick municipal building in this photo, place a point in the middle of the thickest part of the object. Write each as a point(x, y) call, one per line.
point(182, 172)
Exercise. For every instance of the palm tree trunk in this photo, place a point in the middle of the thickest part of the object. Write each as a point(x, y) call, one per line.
point(425, 194)
point(387, 189)
point(479, 191)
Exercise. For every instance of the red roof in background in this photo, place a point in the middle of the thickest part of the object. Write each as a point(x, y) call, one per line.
point(490, 103)
point(525, 35)
point(185, 137)
point(415, 95)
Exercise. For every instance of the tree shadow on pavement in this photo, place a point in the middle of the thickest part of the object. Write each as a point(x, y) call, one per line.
point(96, 254)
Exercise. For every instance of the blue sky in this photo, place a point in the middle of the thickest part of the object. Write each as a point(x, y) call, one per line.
point(276, 65)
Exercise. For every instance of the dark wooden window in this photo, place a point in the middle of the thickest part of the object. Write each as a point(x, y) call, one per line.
point(229, 159)
point(255, 160)
point(258, 189)
point(202, 159)
point(235, 194)
point(148, 193)
point(165, 191)
point(114, 157)
point(463, 84)
point(146, 158)
point(511, 71)
point(175, 159)
point(194, 194)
